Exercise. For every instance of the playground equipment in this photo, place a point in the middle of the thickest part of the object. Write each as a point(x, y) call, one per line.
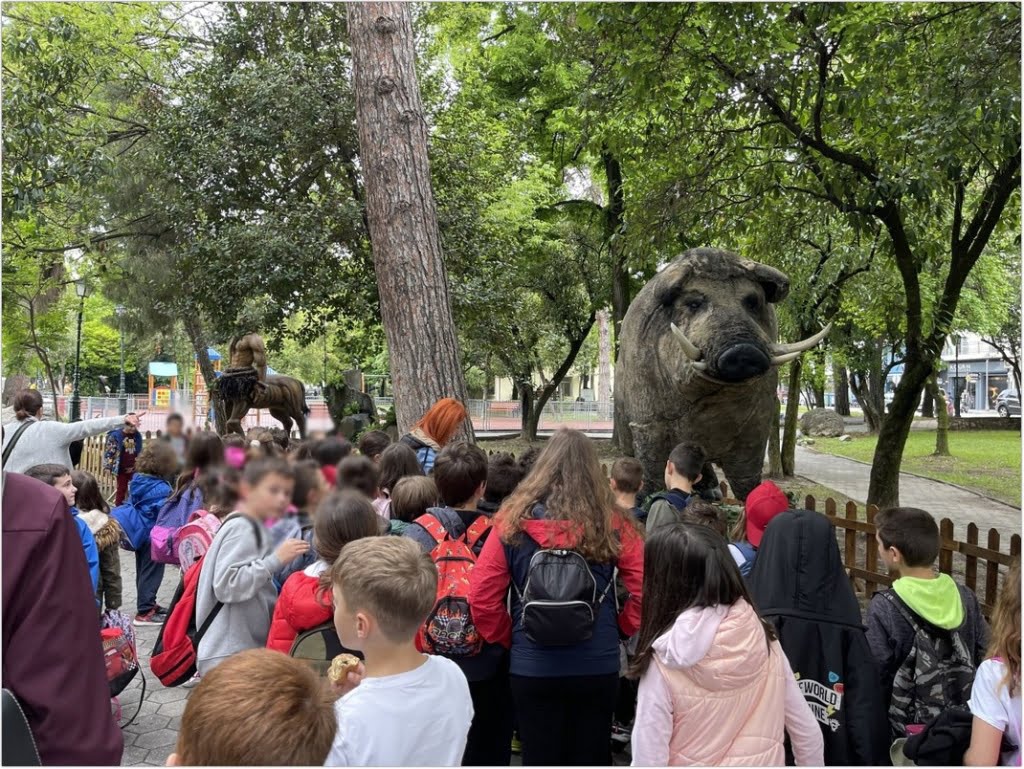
point(201, 396)
point(161, 397)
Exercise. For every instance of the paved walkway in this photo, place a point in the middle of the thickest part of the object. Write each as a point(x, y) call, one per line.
point(942, 500)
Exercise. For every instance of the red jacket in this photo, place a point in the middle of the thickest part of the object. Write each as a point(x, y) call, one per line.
point(489, 581)
point(299, 608)
point(52, 654)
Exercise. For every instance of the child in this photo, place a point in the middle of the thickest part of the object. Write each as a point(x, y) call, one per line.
point(715, 686)
point(220, 491)
point(800, 585)
point(258, 708)
point(123, 447)
point(59, 477)
point(412, 497)
point(359, 473)
point(373, 443)
point(460, 472)
point(626, 481)
point(682, 473)
point(94, 510)
point(503, 475)
point(397, 461)
point(175, 435)
point(921, 607)
point(329, 452)
point(147, 491)
point(560, 527)
point(995, 699)
point(527, 460)
point(433, 432)
point(234, 450)
point(763, 503)
point(705, 514)
point(238, 570)
point(383, 589)
point(310, 488)
point(343, 517)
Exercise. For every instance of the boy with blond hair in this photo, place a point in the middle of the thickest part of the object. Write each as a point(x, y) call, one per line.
point(384, 588)
point(258, 708)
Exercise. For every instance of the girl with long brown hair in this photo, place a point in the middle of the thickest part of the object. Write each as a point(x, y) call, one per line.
point(995, 698)
point(433, 432)
point(561, 528)
point(716, 688)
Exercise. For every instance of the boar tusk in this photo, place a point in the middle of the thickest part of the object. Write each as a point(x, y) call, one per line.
point(807, 344)
point(778, 360)
point(700, 366)
point(688, 347)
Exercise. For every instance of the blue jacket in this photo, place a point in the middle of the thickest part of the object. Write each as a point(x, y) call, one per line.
point(92, 553)
point(137, 516)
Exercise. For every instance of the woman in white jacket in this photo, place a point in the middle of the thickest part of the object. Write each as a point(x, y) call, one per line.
point(48, 442)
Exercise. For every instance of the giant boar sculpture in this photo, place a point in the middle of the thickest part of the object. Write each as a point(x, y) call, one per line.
point(698, 358)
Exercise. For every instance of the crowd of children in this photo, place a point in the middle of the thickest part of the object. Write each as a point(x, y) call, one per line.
point(541, 602)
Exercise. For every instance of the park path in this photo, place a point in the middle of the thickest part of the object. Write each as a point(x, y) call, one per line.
point(942, 500)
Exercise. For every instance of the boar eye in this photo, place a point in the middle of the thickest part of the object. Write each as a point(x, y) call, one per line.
point(694, 303)
point(752, 302)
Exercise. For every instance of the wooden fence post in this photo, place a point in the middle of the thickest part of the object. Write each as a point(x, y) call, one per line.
point(871, 551)
point(971, 566)
point(946, 546)
point(850, 537)
point(992, 570)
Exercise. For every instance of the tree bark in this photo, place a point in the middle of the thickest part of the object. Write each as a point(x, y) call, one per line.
point(530, 423)
point(774, 443)
point(194, 329)
point(604, 359)
point(792, 412)
point(841, 387)
point(614, 220)
point(928, 405)
point(942, 433)
point(411, 278)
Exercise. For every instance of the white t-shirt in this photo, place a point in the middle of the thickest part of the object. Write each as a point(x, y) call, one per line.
point(419, 718)
point(991, 702)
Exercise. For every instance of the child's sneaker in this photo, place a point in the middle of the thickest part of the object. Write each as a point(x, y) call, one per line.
point(192, 681)
point(151, 617)
point(517, 746)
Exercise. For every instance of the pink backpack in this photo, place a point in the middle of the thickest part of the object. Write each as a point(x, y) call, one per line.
point(195, 537)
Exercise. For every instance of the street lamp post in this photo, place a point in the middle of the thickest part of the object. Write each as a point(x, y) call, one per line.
point(122, 396)
point(82, 289)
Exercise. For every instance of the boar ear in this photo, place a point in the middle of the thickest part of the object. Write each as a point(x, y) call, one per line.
point(672, 281)
point(774, 283)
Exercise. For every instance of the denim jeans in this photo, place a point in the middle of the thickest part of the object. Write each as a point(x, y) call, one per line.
point(148, 576)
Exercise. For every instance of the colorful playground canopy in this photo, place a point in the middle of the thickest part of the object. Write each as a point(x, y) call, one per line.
point(162, 369)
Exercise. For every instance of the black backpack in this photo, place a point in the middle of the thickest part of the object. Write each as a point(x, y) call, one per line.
point(318, 647)
point(560, 601)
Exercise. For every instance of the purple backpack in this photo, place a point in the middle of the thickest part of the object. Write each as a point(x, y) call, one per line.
point(172, 516)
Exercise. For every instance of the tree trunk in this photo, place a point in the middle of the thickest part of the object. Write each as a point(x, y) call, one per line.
point(792, 412)
point(774, 445)
point(604, 359)
point(942, 433)
point(841, 387)
point(411, 278)
point(928, 406)
point(194, 329)
point(549, 389)
point(515, 391)
point(527, 422)
point(614, 220)
point(884, 487)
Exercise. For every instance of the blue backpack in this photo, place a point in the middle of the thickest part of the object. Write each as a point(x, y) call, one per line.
point(749, 553)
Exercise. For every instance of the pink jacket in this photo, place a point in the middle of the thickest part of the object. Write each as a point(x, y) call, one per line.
point(714, 695)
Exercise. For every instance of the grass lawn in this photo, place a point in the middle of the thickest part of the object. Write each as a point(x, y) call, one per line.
point(987, 461)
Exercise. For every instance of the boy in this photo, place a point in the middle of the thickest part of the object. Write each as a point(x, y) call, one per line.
point(59, 477)
point(682, 473)
point(239, 567)
point(279, 714)
point(704, 513)
point(123, 446)
point(461, 472)
point(175, 436)
point(310, 487)
point(626, 482)
point(503, 475)
point(373, 443)
point(946, 615)
point(383, 589)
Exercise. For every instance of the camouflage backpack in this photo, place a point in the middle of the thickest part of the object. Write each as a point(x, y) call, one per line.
point(936, 675)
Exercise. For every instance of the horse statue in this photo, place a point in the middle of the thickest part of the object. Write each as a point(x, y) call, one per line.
point(283, 396)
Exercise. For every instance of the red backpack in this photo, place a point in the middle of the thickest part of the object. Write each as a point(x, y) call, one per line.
point(174, 654)
point(449, 630)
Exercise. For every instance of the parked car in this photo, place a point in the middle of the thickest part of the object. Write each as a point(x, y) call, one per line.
point(1008, 403)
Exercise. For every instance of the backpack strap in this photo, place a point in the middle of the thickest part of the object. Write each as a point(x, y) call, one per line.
point(14, 440)
point(477, 531)
point(674, 497)
point(904, 610)
point(433, 526)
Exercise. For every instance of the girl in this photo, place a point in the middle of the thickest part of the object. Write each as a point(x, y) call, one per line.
point(715, 686)
point(219, 488)
point(148, 490)
point(564, 694)
point(434, 430)
point(763, 503)
point(412, 498)
point(343, 517)
point(995, 699)
point(397, 461)
point(94, 510)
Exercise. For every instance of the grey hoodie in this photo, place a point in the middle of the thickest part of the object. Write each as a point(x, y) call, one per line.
point(46, 443)
point(238, 571)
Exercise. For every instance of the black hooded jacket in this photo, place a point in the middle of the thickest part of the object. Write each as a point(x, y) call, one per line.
point(800, 586)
